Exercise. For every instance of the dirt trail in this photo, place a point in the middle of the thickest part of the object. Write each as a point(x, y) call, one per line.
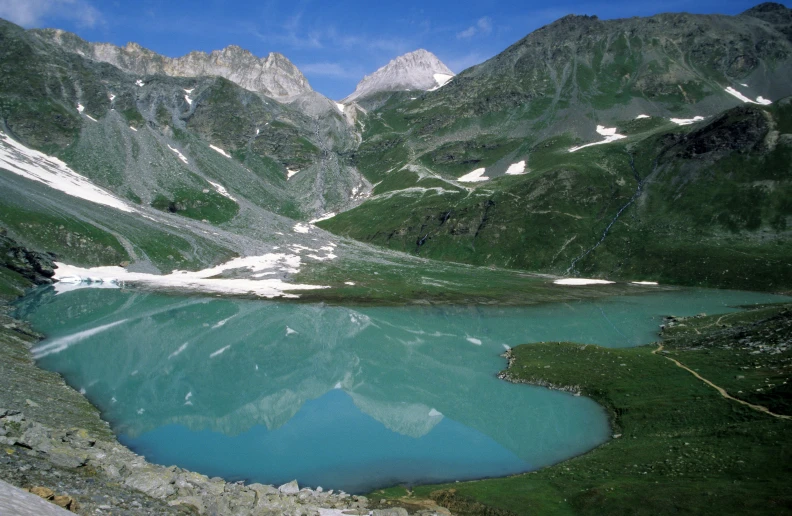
point(721, 390)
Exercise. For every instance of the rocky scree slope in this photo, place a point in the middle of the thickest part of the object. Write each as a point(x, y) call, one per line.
point(200, 152)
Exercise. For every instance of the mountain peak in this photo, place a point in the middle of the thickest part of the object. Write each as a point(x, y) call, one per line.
point(274, 75)
point(416, 70)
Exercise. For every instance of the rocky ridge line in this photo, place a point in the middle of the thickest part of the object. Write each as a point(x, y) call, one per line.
point(273, 75)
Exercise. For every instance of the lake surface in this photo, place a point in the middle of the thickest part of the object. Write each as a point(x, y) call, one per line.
point(342, 397)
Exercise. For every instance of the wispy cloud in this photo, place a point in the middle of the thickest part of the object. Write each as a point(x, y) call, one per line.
point(32, 13)
point(482, 27)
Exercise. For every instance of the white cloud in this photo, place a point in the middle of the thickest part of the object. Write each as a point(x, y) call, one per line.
point(33, 13)
point(483, 27)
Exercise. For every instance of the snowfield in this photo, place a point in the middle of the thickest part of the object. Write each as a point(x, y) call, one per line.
point(204, 281)
point(759, 100)
point(219, 150)
point(582, 281)
point(516, 169)
point(474, 177)
point(687, 121)
point(54, 173)
point(609, 133)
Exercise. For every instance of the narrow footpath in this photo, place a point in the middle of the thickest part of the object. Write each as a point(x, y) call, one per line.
point(721, 390)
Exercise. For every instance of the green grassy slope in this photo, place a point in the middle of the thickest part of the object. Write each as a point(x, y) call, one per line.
point(678, 446)
point(712, 208)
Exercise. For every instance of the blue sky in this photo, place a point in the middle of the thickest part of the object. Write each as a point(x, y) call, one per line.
point(334, 44)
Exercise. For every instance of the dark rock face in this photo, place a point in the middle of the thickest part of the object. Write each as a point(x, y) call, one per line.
point(741, 129)
point(37, 267)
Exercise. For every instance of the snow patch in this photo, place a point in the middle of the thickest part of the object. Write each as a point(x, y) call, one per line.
point(221, 151)
point(111, 97)
point(340, 106)
point(289, 331)
point(435, 413)
point(640, 117)
point(644, 282)
point(90, 117)
point(206, 280)
point(54, 173)
point(581, 281)
point(80, 108)
point(609, 133)
point(326, 216)
point(133, 128)
point(290, 173)
point(188, 99)
point(301, 228)
point(140, 83)
point(759, 100)
point(188, 92)
point(516, 169)
point(473, 340)
point(221, 190)
point(181, 156)
point(350, 283)
point(474, 177)
point(442, 79)
point(687, 121)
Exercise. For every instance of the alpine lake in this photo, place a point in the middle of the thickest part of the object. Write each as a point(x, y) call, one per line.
point(347, 398)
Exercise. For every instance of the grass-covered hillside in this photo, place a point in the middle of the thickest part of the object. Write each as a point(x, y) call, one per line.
point(678, 446)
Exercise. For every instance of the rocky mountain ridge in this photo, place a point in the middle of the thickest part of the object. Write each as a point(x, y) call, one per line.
point(274, 75)
point(418, 70)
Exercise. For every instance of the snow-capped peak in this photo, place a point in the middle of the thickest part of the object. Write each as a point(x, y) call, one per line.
point(418, 70)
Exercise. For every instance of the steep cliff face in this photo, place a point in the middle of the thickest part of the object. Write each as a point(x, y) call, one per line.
point(419, 70)
point(273, 75)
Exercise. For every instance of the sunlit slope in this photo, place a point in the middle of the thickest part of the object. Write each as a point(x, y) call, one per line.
point(159, 140)
point(704, 204)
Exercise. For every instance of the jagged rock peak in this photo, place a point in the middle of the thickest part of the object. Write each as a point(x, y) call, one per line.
point(273, 75)
point(418, 70)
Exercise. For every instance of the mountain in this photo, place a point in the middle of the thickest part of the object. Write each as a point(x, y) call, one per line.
point(480, 171)
point(419, 70)
point(273, 75)
point(654, 149)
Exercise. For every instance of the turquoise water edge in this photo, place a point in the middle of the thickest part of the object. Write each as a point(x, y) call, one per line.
point(339, 397)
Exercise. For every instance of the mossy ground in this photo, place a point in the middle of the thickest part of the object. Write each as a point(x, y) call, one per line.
point(682, 448)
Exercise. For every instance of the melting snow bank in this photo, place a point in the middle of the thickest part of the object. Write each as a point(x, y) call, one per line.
point(54, 173)
point(516, 169)
point(641, 117)
point(181, 156)
point(441, 79)
point(221, 151)
point(474, 177)
point(608, 132)
point(643, 282)
point(687, 121)
point(582, 281)
point(759, 100)
point(326, 216)
point(221, 190)
point(205, 281)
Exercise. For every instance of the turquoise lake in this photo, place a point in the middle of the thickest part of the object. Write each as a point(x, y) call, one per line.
point(340, 397)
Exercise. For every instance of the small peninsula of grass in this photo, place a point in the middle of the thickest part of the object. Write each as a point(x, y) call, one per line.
point(678, 446)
